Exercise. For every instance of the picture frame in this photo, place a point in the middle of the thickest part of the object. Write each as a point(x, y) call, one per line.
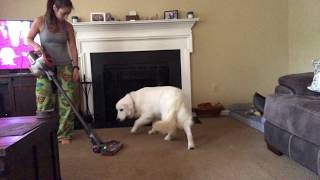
point(172, 14)
point(97, 16)
point(109, 17)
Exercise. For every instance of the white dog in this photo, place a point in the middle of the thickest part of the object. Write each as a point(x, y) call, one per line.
point(164, 105)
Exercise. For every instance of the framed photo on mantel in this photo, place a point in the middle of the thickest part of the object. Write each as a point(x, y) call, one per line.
point(173, 14)
point(97, 16)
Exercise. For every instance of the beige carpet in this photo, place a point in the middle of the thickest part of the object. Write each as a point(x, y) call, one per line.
point(225, 150)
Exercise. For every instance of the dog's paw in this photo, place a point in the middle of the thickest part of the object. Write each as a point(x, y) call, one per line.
point(151, 131)
point(191, 147)
point(167, 138)
point(133, 131)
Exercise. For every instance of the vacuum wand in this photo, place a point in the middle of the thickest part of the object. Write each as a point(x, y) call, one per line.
point(39, 68)
point(90, 133)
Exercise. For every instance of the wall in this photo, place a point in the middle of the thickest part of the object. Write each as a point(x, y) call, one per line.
point(239, 46)
point(304, 34)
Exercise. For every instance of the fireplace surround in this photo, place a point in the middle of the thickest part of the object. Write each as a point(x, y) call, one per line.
point(135, 36)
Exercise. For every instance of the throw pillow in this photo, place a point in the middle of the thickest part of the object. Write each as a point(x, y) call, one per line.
point(315, 85)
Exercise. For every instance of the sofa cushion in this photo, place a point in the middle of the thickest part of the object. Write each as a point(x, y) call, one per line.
point(297, 83)
point(299, 115)
point(311, 93)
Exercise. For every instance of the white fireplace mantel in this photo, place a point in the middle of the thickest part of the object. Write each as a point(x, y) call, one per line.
point(143, 35)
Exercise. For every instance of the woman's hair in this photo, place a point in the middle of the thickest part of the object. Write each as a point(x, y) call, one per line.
point(50, 15)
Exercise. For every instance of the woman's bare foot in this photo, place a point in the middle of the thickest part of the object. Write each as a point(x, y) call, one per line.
point(64, 141)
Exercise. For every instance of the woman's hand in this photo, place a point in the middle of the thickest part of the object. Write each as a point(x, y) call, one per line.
point(75, 75)
point(38, 49)
point(41, 52)
point(48, 60)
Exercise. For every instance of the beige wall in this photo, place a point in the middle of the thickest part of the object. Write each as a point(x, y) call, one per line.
point(239, 46)
point(304, 34)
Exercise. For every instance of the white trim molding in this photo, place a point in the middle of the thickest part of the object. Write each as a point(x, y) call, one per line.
point(144, 35)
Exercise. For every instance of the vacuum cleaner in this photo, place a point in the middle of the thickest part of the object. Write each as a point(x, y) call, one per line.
point(38, 68)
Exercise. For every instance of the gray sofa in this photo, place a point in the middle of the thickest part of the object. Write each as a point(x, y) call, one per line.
point(292, 124)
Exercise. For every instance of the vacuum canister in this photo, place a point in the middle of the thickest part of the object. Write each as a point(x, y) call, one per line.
point(37, 63)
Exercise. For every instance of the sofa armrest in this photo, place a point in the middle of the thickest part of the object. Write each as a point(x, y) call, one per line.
point(281, 90)
point(294, 83)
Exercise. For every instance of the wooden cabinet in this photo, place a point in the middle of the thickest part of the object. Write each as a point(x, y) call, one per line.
point(29, 149)
point(17, 94)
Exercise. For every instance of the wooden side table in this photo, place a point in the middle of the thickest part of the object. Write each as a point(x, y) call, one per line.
point(32, 155)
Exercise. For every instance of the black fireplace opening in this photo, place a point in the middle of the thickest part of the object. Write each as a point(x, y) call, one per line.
point(114, 74)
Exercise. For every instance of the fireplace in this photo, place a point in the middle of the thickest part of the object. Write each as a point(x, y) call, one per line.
point(115, 74)
point(107, 50)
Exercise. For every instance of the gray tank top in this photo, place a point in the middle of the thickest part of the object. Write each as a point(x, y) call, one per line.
point(55, 44)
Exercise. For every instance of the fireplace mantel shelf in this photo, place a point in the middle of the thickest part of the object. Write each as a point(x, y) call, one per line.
point(150, 22)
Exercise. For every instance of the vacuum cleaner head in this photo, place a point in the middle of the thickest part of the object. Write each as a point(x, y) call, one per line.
point(108, 148)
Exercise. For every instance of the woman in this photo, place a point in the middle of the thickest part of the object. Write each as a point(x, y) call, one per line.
point(57, 40)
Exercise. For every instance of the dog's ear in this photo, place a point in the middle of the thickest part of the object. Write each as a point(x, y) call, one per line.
point(129, 106)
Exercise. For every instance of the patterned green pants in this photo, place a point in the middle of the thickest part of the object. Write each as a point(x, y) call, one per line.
point(46, 93)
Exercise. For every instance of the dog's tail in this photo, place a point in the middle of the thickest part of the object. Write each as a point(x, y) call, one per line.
point(169, 123)
point(166, 126)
